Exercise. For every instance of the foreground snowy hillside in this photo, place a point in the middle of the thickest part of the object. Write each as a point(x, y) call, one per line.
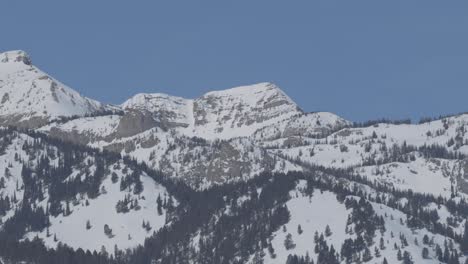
point(326, 218)
point(320, 218)
point(74, 194)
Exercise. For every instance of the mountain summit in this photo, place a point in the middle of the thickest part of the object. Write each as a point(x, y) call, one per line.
point(29, 97)
point(15, 56)
point(229, 113)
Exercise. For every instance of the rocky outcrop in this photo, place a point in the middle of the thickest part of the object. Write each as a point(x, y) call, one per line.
point(23, 121)
point(15, 56)
point(134, 122)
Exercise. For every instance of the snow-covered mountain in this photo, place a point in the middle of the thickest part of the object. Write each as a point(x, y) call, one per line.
point(30, 97)
point(211, 139)
point(241, 175)
point(226, 114)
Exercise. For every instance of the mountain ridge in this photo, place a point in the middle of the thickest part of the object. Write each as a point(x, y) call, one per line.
point(241, 175)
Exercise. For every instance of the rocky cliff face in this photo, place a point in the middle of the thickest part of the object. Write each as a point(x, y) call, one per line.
point(169, 111)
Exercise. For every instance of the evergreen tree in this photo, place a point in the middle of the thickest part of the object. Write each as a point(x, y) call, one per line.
point(407, 258)
point(377, 252)
point(367, 255)
point(159, 205)
point(138, 188)
point(464, 242)
point(257, 259)
point(2, 182)
point(425, 253)
point(288, 242)
point(114, 177)
point(446, 256)
point(299, 229)
point(67, 208)
point(382, 243)
point(439, 253)
point(170, 204)
point(426, 239)
point(108, 231)
point(399, 256)
point(271, 250)
point(328, 231)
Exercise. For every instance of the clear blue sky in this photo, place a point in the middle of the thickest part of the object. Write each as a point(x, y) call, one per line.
point(359, 59)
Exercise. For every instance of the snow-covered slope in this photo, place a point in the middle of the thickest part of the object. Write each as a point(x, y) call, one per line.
point(30, 97)
point(127, 229)
point(308, 125)
point(312, 214)
point(433, 176)
point(321, 210)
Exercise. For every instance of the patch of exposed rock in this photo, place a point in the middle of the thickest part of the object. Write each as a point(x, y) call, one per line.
point(134, 122)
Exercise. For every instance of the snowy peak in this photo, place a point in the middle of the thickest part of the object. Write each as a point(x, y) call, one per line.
point(265, 95)
point(149, 101)
point(242, 110)
point(224, 114)
point(15, 56)
point(245, 91)
point(170, 111)
point(29, 97)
